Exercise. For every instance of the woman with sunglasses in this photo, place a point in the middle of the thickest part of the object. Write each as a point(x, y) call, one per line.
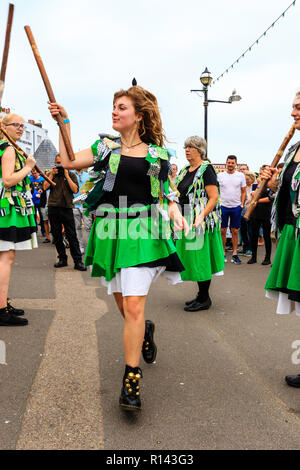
point(17, 224)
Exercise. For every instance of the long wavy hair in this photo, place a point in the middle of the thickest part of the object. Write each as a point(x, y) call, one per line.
point(145, 103)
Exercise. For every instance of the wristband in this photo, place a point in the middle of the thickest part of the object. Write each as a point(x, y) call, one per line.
point(65, 121)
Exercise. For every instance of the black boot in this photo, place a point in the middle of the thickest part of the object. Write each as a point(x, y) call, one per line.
point(293, 380)
point(190, 302)
point(8, 319)
point(130, 394)
point(202, 301)
point(251, 261)
point(61, 263)
point(149, 349)
point(13, 310)
point(197, 306)
point(80, 266)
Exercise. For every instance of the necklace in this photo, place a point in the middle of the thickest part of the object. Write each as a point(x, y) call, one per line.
point(131, 146)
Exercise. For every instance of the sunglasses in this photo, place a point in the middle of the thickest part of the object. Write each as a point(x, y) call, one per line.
point(16, 125)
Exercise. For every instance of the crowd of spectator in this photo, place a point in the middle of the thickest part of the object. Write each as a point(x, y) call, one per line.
point(237, 189)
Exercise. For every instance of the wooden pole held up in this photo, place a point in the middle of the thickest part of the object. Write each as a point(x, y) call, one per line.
point(49, 90)
point(258, 193)
point(6, 49)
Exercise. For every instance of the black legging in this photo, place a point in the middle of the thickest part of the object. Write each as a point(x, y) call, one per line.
point(266, 225)
point(246, 234)
point(203, 290)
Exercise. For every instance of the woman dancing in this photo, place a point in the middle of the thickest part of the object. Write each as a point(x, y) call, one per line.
point(283, 283)
point(202, 251)
point(130, 243)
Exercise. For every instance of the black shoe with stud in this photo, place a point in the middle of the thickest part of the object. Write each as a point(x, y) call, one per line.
point(8, 319)
point(130, 399)
point(13, 310)
point(149, 349)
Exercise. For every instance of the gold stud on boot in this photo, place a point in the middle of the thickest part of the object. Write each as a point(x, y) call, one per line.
point(130, 393)
point(149, 349)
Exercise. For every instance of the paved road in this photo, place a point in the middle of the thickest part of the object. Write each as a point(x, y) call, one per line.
point(218, 382)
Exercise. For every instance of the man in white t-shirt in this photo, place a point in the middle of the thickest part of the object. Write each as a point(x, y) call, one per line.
point(233, 195)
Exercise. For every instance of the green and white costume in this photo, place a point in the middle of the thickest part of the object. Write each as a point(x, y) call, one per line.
point(129, 237)
point(201, 252)
point(283, 283)
point(17, 223)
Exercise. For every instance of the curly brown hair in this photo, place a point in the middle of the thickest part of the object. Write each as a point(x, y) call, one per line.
point(145, 103)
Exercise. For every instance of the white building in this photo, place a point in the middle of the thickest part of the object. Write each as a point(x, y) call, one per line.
point(33, 136)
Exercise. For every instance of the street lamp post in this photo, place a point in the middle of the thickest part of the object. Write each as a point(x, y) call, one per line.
point(206, 80)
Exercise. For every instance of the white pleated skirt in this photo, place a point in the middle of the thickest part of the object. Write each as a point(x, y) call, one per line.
point(25, 245)
point(136, 281)
point(285, 306)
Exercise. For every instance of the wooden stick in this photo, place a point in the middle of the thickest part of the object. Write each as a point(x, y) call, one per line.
point(260, 190)
point(16, 146)
point(6, 48)
point(50, 93)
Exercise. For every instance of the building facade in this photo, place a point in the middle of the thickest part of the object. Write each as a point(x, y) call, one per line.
point(33, 136)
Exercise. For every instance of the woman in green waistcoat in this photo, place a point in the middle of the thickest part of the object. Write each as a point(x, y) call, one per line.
point(283, 283)
point(130, 243)
point(201, 251)
point(17, 224)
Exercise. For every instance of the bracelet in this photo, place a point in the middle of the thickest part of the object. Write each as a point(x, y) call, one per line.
point(65, 121)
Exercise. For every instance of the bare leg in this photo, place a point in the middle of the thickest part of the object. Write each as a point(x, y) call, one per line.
point(235, 239)
point(223, 234)
point(6, 262)
point(119, 301)
point(47, 229)
point(134, 328)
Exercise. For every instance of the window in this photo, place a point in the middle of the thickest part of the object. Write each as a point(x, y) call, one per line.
point(27, 150)
point(39, 139)
point(27, 135)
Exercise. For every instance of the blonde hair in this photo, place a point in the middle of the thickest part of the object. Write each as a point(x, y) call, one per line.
point(251, 175)
point(145, 103)
point(7, 119)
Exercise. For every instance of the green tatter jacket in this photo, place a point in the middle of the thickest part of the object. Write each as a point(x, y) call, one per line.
point(294, 191)
point(19, 195)
point(198, 199)
point(107, 155)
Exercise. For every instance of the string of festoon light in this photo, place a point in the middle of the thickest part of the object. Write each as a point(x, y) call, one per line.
point(249, 49)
